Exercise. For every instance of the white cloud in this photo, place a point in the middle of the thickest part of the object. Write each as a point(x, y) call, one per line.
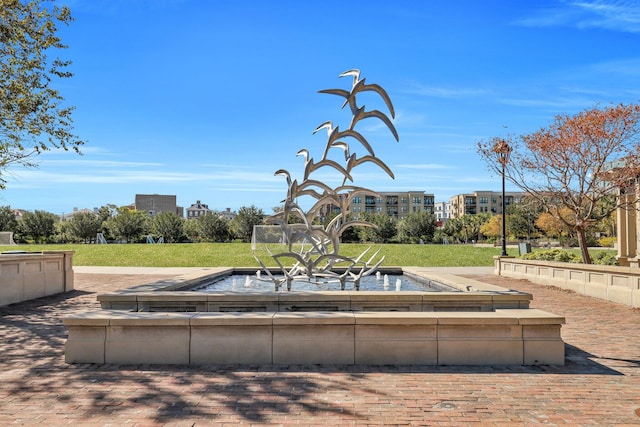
point(424, 166)
point(629, 67)
point(554, 103)
point(445, 92)
point(33, 178)
point(614, 15)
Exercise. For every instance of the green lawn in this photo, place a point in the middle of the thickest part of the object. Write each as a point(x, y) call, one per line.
point(240, 255)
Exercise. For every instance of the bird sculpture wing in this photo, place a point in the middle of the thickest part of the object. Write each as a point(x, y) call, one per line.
point(362, 87)
point(354, 161)
point(358, 136)
point(361, 114)
point(340, 92)
point(310, 167)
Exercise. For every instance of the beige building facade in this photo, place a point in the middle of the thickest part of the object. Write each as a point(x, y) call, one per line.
point(395, 204)
point(482, 202)
point(627, 227)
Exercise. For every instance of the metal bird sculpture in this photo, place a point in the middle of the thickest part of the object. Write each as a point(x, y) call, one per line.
point(315, 249)
point(357, 87)
point(334, 136)
point(310, 166)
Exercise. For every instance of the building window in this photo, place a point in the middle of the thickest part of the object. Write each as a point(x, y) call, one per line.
point(357, 200)
point(484, 200)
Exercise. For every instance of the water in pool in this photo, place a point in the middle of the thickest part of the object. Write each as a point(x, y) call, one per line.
point(378, 282)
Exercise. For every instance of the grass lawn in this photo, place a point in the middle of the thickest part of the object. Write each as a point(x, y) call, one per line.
point(240, 255)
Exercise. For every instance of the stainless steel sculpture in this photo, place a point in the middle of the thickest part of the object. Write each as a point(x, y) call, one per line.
point(311, 252)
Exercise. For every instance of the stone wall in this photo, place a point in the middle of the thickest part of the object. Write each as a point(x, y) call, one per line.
point(503, 337)
point(26, 276)
point(612, 283)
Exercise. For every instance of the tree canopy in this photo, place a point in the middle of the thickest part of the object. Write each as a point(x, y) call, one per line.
point(242, 224)
point(572, 166)
point(33, 117)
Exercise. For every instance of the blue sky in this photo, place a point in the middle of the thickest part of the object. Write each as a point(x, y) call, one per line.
point(207, 99)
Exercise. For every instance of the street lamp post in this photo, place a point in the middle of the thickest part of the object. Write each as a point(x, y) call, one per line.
point(503, 150)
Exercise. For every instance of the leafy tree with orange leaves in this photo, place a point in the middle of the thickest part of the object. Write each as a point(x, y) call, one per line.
point(552, 226)
point(573, 165)
point(493, 227)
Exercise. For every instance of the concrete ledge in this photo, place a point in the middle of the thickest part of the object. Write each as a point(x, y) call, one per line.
point(505, 337)
point(26, 276)
point(473, 296)
point(231, 338)
point(313, 301)
point(610, 283)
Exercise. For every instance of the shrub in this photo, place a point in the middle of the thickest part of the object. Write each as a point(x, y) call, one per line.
point(601, 257)
point(607, 242)
point(604, 258)
point(558, 255)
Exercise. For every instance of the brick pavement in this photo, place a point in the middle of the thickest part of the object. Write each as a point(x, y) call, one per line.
point(599, 386)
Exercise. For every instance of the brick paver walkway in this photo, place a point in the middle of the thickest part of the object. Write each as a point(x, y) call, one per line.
point(599, 386)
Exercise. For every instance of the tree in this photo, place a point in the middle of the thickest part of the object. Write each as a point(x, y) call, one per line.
point(521, 219)
point(384, 229)
point(493, 227)
point(63, 234)
point(191, 230)
point(474, 223)
point(33, 117)
point(104, 213)
point(84, 226)
point(8, 220)
point(242, 224)
point(38, 225)
point(128, 225)
point(574, 163)
point(552, 225)
point(168, 225)
point(417, 226)
point(452, 228)
point(213, 228)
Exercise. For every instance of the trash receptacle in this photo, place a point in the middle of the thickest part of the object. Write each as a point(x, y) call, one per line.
point(524, 248)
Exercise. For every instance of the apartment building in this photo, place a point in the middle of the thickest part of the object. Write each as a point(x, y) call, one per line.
point(441, 211)
point(481, 202)
point(395, 204)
